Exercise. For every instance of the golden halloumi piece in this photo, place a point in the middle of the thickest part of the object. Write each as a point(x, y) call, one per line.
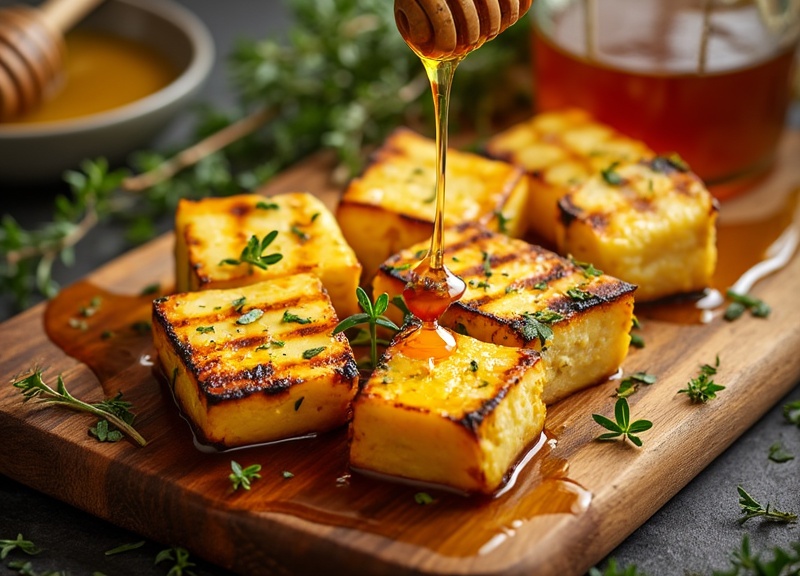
point(522, 295)
point(257, 363)
point(462, 423)
point(560, 150)
point(392, 204)
point(213, 230)
point(651, 223)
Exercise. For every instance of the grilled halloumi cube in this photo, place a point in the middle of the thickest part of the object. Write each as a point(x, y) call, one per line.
point(560, 150)
point(392, 204)
point(212, 232)
point(651, 223)
point(462, 423)
point(522, 295)
point(258, 363)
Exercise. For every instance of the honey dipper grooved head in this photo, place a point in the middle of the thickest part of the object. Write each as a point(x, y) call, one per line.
point(443, 29)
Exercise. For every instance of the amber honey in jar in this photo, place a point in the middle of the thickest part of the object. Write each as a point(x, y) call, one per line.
point(708, 79)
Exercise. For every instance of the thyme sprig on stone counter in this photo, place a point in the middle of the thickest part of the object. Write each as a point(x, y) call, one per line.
point(114, 411)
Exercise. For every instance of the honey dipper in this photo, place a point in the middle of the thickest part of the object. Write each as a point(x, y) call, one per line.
point(32, 52)
point(448, 29)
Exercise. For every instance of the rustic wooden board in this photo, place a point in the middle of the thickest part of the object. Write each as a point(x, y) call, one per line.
point(323, 520)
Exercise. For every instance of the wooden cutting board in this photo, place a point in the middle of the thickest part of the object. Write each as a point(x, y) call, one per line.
point(572, 503)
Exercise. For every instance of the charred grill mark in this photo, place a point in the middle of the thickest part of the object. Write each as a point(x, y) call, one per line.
point(473, 420)
point(568, 211)
point(597, 221)
point(240, 210)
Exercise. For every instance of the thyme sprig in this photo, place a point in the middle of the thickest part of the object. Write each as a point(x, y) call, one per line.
point(373, 317)
point(703, 388)
point(622, 427)
point(243, 477)
point(7, 546)
point(180, 561)
point(751, 508)
point(113, 410)
point(253, 253)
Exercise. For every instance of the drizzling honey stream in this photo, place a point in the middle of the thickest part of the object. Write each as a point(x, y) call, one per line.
point(442, 33)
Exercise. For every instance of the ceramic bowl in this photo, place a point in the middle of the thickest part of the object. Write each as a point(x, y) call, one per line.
point(40, 153)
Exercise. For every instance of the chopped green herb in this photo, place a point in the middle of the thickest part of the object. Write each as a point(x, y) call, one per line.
point(398, 268)
point(510, 289)
point(742, 302)
point(547, 316)
point(105, 433)
point(78, 324)
point(752, 509)
point(153, 288)
point(250, 317)
point(579, 294)
point(623, 427)
point(286, 474)
point(298, 403)
point(612, 177)
point(777, 453)
point(243, 477)
point(461, 329)
point(205, 329)
point(588, 268)
point(303, 236)
point(314, 217)
point(26, 546)
point(423, 498)
point(791, 411)
point(636, 340)
point(532, 328)
point(180, 557)
point(311, 352)
point(473, 365)
point(125, 548)
point(289, 318)
point(540, 285)
point(238, 304)
point(630, 385)
point(487, 264)
point(142, 327)
point(267, 206)
point(703, 388)
point(91, 309)
point(502, 222)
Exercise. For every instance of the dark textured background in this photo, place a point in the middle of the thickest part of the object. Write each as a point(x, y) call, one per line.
point(695, 533)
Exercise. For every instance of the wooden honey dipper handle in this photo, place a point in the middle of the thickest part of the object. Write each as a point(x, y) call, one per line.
point(445, 29)
point(62, 15)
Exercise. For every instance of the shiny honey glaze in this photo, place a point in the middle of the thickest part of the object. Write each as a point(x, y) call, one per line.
point(103, 72)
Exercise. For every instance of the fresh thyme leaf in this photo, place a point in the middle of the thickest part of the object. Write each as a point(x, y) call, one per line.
point(115, 410)
point(253, 253)
point(588, 268)
point(791, 411)
point(752, 509)
point(423, 498)
point(630, 385)
point(373, 317)
point(301, 235)
point(238, 304)
point(473, 365)
point(742, 302)
point(611, 176)
point(487, 264)
point(180, 557)
point(267, 206)
point(777, 453)
point(243, 477)
point(637, 341)
point(533, 328)
point(579, 294)
point(26, 546)
point(547, 316)
point(289, 318)
point(124, 548)
point(311, 352)
point(622, 425)
point(105, 433)
point(502, 222)
point(613, 570)
point(540, 286)
point(703, 388)
point(205, 329)
point(250, 317)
